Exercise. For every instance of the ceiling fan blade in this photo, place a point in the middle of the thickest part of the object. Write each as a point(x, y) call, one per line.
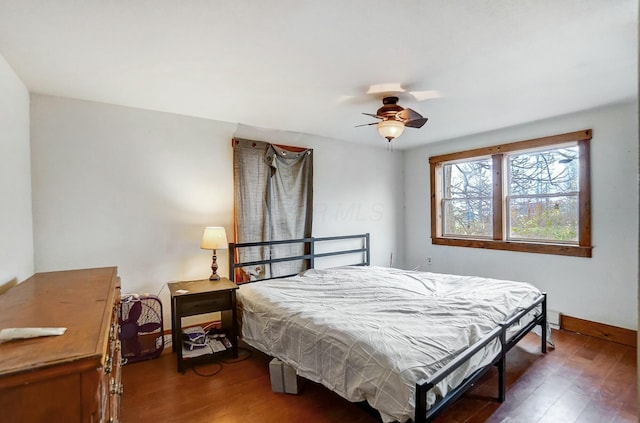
point(416, 123)
point(425, 95)
point(387, 87)
point(372, 115)
point(408, 114)
point(367, 124)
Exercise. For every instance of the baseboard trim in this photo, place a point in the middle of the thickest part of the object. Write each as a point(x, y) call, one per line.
point(599, 330)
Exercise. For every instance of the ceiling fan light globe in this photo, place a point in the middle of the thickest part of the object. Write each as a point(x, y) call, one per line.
point(390, 129)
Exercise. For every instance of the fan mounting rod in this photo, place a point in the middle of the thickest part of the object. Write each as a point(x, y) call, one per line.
point(390, 108)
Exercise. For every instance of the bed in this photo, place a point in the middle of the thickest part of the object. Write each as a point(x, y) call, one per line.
point(408, 343)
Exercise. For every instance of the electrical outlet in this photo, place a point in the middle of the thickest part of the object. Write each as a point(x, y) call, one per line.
point(553, 317)
point(429, 260)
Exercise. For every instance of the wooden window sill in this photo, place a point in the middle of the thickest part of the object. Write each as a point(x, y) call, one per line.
point(525, 247)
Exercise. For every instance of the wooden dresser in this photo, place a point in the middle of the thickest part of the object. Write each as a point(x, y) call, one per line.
point(74, 377)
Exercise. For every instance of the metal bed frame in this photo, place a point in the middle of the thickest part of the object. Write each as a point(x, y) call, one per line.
point(423, 386)
point(310, 257)
point(424, 415)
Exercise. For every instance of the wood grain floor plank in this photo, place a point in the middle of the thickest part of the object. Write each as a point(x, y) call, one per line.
point(567, 409)
point(582, 380)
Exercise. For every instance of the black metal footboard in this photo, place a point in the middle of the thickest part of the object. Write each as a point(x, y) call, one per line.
point(424, 414)
point(363, 252)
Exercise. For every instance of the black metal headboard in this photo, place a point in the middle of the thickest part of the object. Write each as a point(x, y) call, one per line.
point(310, 255)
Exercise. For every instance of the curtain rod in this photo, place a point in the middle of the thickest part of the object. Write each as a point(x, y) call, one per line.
point(290, 148)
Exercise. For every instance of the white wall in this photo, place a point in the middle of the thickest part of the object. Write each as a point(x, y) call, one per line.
point(16, 232)
point(135, 188)
point(603, 288)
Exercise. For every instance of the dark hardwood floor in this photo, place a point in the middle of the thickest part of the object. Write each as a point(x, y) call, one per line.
point(583, 379)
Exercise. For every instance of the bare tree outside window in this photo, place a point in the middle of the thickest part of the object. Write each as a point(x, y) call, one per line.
point(467, 208)
point(542, 202)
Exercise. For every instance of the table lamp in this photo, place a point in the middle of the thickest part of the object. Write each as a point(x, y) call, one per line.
point(214, 238)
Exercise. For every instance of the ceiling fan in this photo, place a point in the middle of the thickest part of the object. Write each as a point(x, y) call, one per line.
point(394, 118)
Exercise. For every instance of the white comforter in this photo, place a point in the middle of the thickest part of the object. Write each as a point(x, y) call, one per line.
point(369, 333)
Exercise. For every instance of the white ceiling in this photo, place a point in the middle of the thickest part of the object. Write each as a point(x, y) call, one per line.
point(305, 66)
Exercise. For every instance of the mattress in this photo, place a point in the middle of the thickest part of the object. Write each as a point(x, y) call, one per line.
point(369, 333)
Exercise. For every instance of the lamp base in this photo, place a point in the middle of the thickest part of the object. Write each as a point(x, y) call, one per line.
point(214, 268)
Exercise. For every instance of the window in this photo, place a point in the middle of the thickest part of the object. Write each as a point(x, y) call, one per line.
point(542, 198)
point(466, 200)
point(531, 196)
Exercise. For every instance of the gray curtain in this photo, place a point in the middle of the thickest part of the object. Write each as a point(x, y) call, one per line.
point(273, 189)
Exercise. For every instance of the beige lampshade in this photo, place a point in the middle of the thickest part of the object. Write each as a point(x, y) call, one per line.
point(214, 238)
point(390, 129)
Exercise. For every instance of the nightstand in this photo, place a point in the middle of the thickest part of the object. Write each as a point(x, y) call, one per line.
point(199, 297)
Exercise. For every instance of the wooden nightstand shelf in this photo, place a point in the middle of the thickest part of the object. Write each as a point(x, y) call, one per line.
point(203, 296)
